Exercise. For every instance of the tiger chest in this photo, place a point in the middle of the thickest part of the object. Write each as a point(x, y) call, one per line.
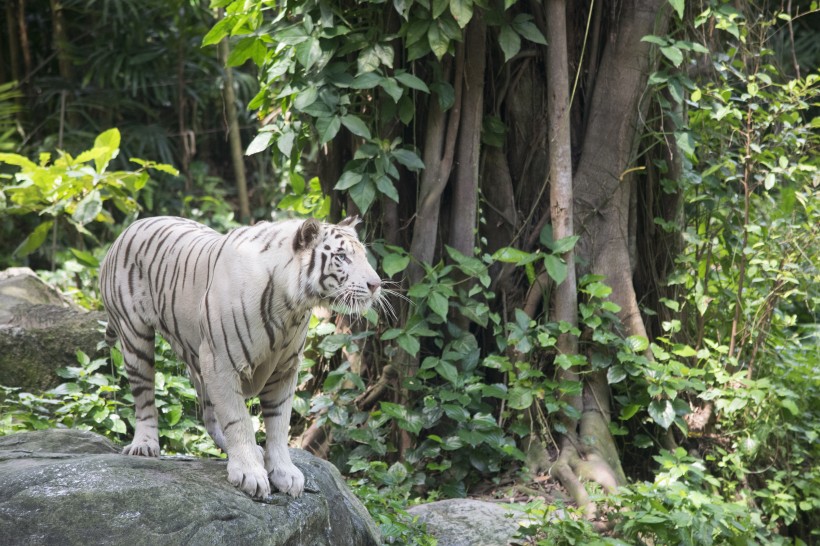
point(277, 357)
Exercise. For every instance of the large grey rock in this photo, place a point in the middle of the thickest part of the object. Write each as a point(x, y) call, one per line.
point(69, 487)
point(40, 331)
point(468, 522)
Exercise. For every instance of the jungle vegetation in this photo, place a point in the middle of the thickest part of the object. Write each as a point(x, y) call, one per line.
point(603, 217)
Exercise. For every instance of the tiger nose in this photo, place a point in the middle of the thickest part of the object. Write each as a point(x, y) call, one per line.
point(374, 285)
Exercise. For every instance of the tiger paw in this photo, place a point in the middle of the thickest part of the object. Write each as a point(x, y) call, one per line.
point(288, 479)
point(142, 447)
point(252, 479)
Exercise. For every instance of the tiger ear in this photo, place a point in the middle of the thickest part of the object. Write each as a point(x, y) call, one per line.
point(307, 235)
point(350, 221)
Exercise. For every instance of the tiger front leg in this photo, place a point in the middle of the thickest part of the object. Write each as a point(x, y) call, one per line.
point(276, 399)
point(246, 469)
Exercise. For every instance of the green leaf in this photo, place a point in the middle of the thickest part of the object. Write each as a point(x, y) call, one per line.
point(439, 6)
point(368, 60)
point(18, 161)
point(510, 42)
point(685, 142)
point(409, 343)
point(219, 31)
point(34, 240)
point(597, 290)
point(110, 140)
point(363, 194)
point(355, 125)
point(519, 398)
point(462, 11)
point(684, 350)
point(368, 80)
point(394, 263)
point(628, 411)
point(769, 181)
point(447, 371)
point(438, 304)
point(411, 81)
point(615, 374)
point(308, 52)
point(564, 245)
point(327, 128)
point(85, 258)
point(673, 54)
point(657, 40)
point(385, 186)
point(637, 344)
point(439, 43)
point(338, 415)
point(496, 390)
point(306, 98)
point(88, 209)
point(678, 6)
point(259, 143)
point(511, 255)
point(408, 158)
point(662, 412)
point(556, 268)
point(789, 404)
point(527, 29)
point(348, 180)
point(249, 47)
point(285, 142)
point(392, 88)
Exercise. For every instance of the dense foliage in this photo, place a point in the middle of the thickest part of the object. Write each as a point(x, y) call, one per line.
point(716, 411)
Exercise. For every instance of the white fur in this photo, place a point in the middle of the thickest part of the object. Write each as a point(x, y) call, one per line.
point(236, 309)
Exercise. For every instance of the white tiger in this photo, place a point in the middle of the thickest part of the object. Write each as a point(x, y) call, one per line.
point(235, 309)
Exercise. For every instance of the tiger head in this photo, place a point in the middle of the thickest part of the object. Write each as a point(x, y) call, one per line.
point(336, 266)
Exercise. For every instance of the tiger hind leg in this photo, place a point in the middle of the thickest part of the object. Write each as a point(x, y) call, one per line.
point(138, 357)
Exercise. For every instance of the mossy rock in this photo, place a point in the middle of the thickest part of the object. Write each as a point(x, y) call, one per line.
point(40, 331)
point(70, 487)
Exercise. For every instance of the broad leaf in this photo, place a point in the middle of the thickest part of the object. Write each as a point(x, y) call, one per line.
point(447, 371)
point(394, 263)
point(637, 344)
point(327, 128)
point(462, 11)
point(662, 412)
point(438, 304)
point(408, 158)
point(527, 29)
point(411, 81)
point(556, 268)
point(259, 143)
point(678, 6)
point(385, 186)
point(110, 140)
point(348, 180)
point(34, 240)
point(355, 125)
point(363, 194)
point(88, 208)
point(510, 42)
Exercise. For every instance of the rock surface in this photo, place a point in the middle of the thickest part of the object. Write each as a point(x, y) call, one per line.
point(70, 487)
point(468, 522)
point(40, 331)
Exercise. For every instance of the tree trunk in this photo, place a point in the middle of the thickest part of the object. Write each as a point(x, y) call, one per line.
point(602, 208)
point(235, 136)
point(465, 182)
point(439, 148)
point(565, 295)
